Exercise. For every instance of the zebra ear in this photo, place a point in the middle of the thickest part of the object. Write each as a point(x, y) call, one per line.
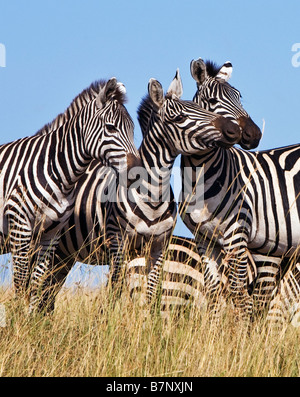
point(107, 92)
point(198, 70)
point(225, 72)
point(156, 93)
point(175, 88)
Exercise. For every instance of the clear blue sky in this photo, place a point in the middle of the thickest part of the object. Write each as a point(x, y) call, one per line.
point(55, 49)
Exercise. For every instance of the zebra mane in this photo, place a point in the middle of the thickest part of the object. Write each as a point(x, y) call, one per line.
point(145, 113)
point(79, 102)
point(212, 68)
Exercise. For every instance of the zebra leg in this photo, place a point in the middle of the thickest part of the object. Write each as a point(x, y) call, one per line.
point(20, 237)
point(117, 265)
point(214, 287)
point(285, 305)
point(154, 267)
point(42, 279)
point(59, 273)
point(237, 259)
point(21, 267)
point(154, 279)
point(267, 274)
point(211, 258)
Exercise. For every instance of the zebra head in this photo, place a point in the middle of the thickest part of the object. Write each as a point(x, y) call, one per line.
point(186, 127)
point(109, 127)
point(215, 94)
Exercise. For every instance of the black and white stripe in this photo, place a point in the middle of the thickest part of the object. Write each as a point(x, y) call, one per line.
point(38, 175)
point(141, 214)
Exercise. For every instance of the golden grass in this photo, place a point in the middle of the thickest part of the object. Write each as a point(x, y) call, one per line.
point(88, 335)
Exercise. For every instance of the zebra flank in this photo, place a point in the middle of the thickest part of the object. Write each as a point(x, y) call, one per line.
point(38, 175)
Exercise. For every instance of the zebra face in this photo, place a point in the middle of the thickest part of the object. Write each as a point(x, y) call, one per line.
point(215, 94)
point(109, 129)
point(188, 128)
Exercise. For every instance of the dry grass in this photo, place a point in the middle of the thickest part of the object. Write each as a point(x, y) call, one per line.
point(89, 336)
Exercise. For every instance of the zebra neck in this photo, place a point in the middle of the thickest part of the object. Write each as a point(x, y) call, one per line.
point(70, 160)
point(156, 166)
point(214, 170)
point(155, 154)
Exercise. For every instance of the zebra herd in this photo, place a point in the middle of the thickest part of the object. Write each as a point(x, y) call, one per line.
point(79, 190)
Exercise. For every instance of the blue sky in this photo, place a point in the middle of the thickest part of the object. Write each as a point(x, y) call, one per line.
point(55, 49)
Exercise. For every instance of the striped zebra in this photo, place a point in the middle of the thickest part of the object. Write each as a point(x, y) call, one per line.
point(104, 226)
point(215, 94)
point(250, 200)
point(184, 286)
point(38, 175)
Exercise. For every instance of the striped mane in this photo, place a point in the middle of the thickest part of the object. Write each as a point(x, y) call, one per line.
point(145, 113)
point(86, 96)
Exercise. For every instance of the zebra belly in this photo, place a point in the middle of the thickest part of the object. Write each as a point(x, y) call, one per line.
point(276, 243)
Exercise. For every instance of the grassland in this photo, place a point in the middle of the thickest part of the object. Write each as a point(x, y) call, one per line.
point(89, 336)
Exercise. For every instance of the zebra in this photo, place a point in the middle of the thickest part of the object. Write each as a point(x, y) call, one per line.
point(104, 226)
point(184, 286)
point(38, 175)
point(214, 93)
point(250, 200)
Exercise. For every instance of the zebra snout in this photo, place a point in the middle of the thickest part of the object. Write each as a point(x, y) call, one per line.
point(251, 133)
point(231, 132)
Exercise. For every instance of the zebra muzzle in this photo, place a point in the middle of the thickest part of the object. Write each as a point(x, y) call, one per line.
point(251, 133)
point(231, 132)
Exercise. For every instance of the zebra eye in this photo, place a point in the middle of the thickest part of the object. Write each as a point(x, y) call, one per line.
point(180, 118)
point(111, 128)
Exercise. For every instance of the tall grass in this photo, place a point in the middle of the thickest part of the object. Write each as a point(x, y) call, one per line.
point(89, 335)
